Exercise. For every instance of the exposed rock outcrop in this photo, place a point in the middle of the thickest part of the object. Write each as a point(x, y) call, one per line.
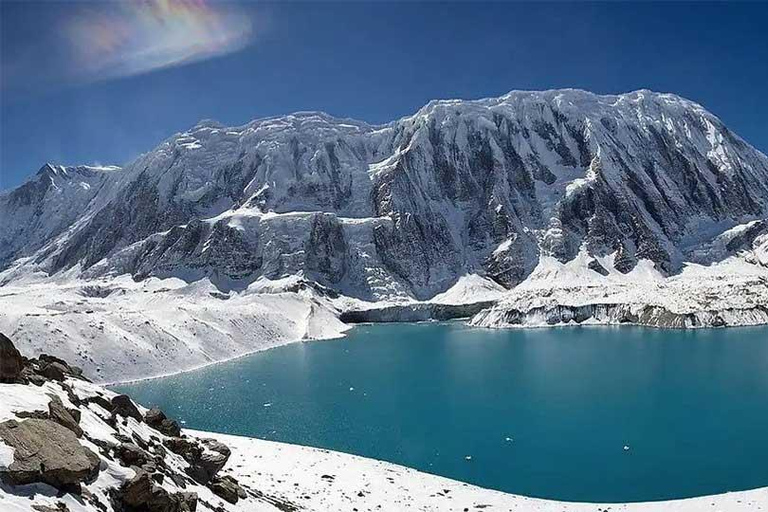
point(228, 488)
point(141, 493)
point(46, 452)
point(123, 405)
point(156, 419)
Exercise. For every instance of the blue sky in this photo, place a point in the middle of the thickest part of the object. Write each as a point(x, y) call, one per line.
point(103, 82)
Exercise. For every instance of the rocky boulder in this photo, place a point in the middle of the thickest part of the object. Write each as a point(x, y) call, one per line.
point(205, 457)
point(46, 452)
point(63, 416)
point(142, 493)
point(124, 406)
point(214, 457)
point(11, 362)
point(227, 488)
point(156, 419)
point(131, 455)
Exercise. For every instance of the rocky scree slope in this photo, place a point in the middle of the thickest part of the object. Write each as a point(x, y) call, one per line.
point(403, 210)
point(67, 445)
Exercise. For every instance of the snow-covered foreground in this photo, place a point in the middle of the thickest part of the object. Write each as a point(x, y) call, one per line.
point(323, 480)
point(287, 477)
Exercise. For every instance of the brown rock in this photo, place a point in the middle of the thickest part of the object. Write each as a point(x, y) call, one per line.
point(54, 371)
point(156, 419)
point(141, 493)
point(124, 406)
point(227, 488)
point(11, 361)
point(131, 455)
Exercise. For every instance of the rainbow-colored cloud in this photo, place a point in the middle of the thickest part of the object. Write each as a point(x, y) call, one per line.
point(137, 36)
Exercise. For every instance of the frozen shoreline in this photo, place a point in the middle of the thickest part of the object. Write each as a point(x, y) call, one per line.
point(369, 484)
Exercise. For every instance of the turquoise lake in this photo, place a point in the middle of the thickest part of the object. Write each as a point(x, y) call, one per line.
point(541, 412)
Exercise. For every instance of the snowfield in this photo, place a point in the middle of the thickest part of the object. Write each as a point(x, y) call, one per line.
point(120, 330)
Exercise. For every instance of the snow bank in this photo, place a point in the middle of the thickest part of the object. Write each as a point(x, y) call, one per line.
point(120, 330)
point(323, 480)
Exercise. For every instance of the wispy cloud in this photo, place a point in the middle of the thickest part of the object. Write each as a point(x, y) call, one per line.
point(137, 36)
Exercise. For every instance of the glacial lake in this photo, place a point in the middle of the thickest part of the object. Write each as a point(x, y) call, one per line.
point(541, 412)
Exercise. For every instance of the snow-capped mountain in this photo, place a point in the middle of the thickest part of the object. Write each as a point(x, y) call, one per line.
point(404, 210)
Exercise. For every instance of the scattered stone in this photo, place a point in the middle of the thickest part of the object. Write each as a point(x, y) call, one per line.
point(49, 359)
point(141, 493)
point(178, 479)
point(156, 419)
point(131, 455)
point(28, 374)
point(40, 415)
point(46, 452)
point(139, 441)
point(124, 406)
point(227, 488)
point(11, 361)
point(61, 415)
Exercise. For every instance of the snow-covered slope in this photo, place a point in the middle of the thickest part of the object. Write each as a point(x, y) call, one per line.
point(121, 330)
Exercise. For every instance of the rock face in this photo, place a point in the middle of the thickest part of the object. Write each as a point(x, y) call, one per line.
point(11, 361)
point(487, 187)
point(46, 452)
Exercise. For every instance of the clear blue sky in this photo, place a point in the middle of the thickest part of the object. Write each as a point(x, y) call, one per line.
point(94, 83)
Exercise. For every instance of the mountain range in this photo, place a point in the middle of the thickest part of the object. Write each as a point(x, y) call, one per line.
point(645, 193)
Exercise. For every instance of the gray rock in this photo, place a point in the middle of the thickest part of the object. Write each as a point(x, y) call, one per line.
point(60, 507)
point(227, 488)
point(156, 419)
point(54, 371)
point(124, 406)
point(131, 455)
point(205, 457)
point(11, 361)
point(63, 416)
point(46, 452)
point(143, 494)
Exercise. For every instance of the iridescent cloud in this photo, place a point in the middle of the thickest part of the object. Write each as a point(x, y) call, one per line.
point(136, 36)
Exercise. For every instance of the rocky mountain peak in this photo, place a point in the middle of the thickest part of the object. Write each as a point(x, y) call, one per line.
point(483, 186)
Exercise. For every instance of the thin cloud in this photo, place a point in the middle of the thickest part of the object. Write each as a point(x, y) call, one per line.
point(133, 37)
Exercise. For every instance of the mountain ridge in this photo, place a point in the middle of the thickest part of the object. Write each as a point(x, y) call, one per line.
point(495, 183)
